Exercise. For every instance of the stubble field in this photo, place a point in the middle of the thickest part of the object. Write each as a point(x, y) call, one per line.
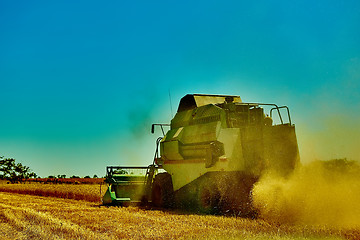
point(88, 192)
point(24, 216)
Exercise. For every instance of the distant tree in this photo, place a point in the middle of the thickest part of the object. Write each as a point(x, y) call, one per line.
point(14, 172)
point(95, 176)
point(51, 176)
point(121, 171)
point(74, 176)
point(87, 177)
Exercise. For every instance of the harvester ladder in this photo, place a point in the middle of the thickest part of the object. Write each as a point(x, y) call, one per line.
point(150, 171)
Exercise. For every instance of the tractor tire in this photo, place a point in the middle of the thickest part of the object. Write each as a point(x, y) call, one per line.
point(208, 199)
point(162, 194)
point(237, 195)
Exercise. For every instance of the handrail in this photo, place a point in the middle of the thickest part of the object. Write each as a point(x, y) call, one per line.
point(287, 109)
point(275, 107)
point(161, 126)
point(158, 140)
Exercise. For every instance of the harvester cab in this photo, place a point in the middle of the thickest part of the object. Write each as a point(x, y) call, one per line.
point(217, 147)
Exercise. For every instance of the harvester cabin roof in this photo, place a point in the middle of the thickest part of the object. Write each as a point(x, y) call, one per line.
point(191, 101)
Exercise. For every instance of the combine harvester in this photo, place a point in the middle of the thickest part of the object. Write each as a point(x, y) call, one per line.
point(216, 149)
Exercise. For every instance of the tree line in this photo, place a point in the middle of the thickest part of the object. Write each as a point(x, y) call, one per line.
point(17, 172)
point(14, 172)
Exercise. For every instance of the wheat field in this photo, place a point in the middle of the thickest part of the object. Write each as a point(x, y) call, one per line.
point(44, 217)
point(88, 192)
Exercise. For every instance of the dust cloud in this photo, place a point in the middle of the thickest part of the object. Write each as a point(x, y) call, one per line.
point(320, 193)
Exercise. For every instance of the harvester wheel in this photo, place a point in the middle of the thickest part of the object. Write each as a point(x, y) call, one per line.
point(162, 194)
point(208, 199)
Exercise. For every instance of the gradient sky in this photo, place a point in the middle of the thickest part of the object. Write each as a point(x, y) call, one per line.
point(82, 81)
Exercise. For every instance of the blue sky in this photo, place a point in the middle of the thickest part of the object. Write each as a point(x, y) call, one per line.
point(82, 82)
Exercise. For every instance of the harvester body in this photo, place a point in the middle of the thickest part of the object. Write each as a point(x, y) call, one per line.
point(216, 149)
point(220, 133)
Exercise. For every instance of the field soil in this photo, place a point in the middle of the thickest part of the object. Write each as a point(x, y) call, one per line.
point(43, 217)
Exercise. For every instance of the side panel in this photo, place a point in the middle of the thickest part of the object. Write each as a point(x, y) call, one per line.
point(253, 150)
point(195, 158)
point(233, 148)
point(281, 148)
